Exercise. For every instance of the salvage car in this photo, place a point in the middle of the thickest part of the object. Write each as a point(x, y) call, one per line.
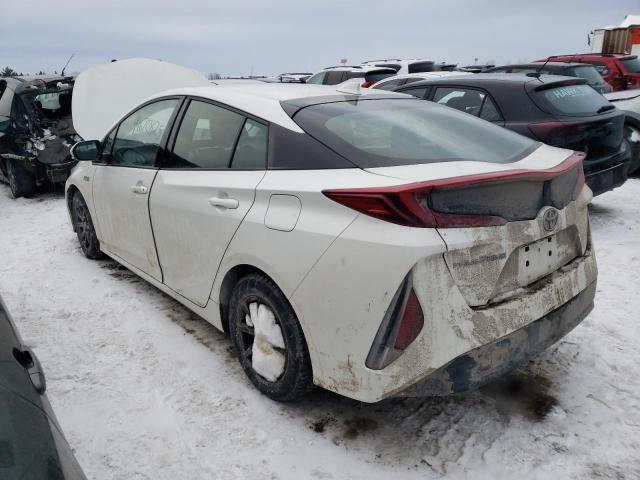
point(32, 445)
point(372, 244)
point(560, 111)
point(629, 102)
point(36, 132)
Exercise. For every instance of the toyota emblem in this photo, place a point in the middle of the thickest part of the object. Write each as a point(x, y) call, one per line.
point(550, 219)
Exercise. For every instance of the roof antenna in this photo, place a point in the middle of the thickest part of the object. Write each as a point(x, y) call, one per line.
point(66, 64)
point(539, 71)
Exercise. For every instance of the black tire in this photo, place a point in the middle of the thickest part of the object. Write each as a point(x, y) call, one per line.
point(21, 181)
point(84, 228)
point(297, 378)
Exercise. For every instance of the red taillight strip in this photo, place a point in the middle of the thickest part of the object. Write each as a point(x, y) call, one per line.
point(407, 204)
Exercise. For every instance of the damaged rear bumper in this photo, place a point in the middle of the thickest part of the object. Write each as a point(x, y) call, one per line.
point(486, 363)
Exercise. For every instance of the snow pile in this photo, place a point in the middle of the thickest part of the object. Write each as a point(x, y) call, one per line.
point(266, 361)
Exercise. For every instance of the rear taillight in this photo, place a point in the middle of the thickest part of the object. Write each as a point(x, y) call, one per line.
point(411, 323)
point(401, 325)
point(559, 133)
point(366, 84)
point(411, 205)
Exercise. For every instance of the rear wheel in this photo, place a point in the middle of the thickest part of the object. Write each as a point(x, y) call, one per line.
point(21, 181)
point(84, 228)
point(268, 339)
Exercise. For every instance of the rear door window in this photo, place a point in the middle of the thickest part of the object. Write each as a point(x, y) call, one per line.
point(490, 112)
point(333, 78)
point(463, 99)
point(316, 79)
point(206, 137)
point(418, 92)
point(601, 67)
point(251, 151)
point(570, 100)
point(631, 65)
point(590, 74)
point(390, 84)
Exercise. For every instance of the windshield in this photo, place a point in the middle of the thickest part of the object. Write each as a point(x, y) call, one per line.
point(571, 100)
point(388, 132)
point(589, 73)
point(632, 65)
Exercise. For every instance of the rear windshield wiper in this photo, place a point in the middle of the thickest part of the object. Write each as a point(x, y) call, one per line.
point(605, 108)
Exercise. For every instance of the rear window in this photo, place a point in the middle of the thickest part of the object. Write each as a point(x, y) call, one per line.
point(420, 67)
point(590, 74)
point(570, 100)
point(390, 132)
point(374, 76)
point(631, 65)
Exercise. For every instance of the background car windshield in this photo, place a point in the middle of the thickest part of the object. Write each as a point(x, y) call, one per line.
point(632, 65)
point(381, 133)
point(590, 74)
point(571, 100)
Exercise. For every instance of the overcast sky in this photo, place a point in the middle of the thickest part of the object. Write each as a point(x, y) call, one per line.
point(238, 37)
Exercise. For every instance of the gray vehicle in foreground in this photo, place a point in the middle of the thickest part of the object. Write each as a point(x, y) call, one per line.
point(32, 446)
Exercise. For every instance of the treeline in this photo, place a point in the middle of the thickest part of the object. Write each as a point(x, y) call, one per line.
point(10, 72)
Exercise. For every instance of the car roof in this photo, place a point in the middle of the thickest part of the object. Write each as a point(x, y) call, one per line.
point(263, 100)
point(354, 68)
point(548, 64)
point(492, 78)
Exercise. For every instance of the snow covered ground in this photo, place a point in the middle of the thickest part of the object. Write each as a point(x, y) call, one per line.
point(146, 390)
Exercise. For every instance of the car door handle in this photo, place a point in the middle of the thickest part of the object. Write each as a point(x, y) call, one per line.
point(25, 357)
point(230, 203)
point(139, 189)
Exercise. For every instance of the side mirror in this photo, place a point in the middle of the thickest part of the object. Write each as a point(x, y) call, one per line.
point(87, 151)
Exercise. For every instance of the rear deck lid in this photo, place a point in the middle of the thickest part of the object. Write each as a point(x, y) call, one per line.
point(103, 94)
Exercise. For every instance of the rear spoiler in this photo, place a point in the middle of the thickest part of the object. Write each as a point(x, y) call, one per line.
point(379, 71)
point(560, 83)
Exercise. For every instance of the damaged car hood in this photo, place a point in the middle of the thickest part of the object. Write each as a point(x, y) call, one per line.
point(103, 94)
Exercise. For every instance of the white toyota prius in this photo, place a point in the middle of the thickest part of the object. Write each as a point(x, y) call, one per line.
point(375, 245)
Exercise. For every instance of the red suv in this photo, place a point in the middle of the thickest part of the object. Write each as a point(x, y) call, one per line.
point(622, 72)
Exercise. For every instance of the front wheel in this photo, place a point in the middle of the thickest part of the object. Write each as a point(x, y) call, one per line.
point(268, 340)
point(21, 181)
point(84, 228)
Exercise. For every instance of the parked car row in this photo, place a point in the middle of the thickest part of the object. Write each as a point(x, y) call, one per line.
point(473, 240)
point(559, 111)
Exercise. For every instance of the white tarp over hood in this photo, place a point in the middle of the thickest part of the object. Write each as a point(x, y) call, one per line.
point(104, 93)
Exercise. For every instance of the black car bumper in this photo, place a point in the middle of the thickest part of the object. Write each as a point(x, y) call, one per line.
point(488, 362)
point(608, 179)
point(608, 172)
